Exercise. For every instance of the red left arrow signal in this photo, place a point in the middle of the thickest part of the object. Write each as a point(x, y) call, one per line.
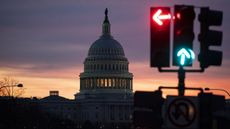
point(157, 17)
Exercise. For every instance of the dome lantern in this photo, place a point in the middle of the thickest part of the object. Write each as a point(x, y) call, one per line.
point(106, 24)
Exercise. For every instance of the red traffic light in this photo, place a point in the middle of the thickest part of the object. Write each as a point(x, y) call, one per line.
point(160, 19)
point(161, 15)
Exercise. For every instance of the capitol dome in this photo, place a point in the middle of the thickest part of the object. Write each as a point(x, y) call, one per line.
point(106, 48)
point(106, 45)
point(106, 67)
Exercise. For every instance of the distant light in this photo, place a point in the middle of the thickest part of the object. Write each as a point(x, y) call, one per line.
point(178, 16)
point(178, 32)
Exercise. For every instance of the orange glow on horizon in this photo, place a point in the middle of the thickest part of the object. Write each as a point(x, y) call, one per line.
point(67, 82)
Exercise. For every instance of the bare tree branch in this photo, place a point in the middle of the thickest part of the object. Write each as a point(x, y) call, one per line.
point(7, 87)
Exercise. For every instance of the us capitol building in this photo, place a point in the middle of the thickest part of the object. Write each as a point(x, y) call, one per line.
point(106, 87)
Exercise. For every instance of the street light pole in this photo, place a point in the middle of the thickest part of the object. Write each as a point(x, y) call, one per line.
point(208, 89)
point(16, 85)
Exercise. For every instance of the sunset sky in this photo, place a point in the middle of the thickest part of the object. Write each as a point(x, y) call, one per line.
point(44, 43)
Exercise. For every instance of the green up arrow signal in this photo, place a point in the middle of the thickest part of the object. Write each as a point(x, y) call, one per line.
point(186, 56)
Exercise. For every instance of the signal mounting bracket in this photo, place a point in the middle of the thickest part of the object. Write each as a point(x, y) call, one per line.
point(181, 77)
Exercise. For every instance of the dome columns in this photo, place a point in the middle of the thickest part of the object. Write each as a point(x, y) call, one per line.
point(107, 66)
point(106, 82)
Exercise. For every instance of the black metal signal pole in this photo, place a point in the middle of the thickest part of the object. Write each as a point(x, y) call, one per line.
point(181, 78)
point(181, 83)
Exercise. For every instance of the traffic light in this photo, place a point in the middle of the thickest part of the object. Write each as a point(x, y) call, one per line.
point(147, 110)
point(183, 35)
point(209, 37)
point(209, 104)
point(160, 19)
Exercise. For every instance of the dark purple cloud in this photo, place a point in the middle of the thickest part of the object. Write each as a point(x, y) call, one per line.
point(57, 34)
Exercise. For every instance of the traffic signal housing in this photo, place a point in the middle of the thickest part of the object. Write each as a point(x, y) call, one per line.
point(209, 104)
point(183, 32)
point(209, 37)
point(148, 109)
point(160, 19)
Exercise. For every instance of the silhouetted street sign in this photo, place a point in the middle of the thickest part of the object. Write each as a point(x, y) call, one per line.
point(182, 112)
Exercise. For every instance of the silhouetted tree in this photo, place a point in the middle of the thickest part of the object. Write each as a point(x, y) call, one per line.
point(7, 87)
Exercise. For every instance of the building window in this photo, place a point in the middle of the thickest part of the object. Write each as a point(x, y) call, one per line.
point(124, 83)
point(109, 66)
point(113, 82)
point(98, 82)
point(120, 83)
point(110, 83)
point(117, 83)
point(94, 82)
point(101, 66)
point(97, 66)
point(86, 83)
point(105, 66)
point(91, 83)
point(102, 83)
point(113, 67)
point(106, 82)
point(94, 67)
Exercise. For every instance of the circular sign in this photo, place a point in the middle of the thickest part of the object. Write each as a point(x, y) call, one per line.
point(181, 112)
